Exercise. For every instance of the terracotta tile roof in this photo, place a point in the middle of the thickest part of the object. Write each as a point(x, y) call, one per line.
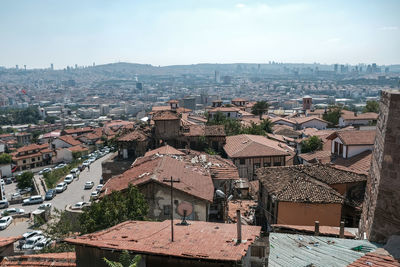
point(223, 169)
point(280, 138)
point(323, 156)
point(156, 168)
point(354, 137)
point(4, 241)
point(69, 140)
point(301, 120)
point(362, 116)
point(245, 145)
point(238, 99)
point(224, 109)
point(246, 207)
point(197, 118)
point(323, 230)
point(64, 259)
point(32, 147)
point(199, 240)
point(78, 148)
point(214, 130)
point(136, 135)
point(78, 130)
point(92, 136)
point(375, 259)
point(165, 116)
point(289, 184)
point(285, 130)
point(160, 108)
point(360, 163)
point(277, 119)
point(15, 158)
point(164, 150)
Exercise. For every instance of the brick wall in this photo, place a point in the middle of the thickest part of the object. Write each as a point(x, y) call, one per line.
point(381, 211)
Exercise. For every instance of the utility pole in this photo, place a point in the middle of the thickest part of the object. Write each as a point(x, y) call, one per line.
point(172, 181)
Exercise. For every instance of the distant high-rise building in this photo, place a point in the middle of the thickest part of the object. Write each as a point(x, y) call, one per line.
point(387, 70)
point(51, 66)
point(76, 66)
point(94, 64)
point(227, 79)
point(217, 77)
point(24, 67)
point(336, 67)
point(139, 86)
point(16, 66)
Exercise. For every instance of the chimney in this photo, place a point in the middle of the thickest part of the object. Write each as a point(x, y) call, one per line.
point(316, 228)
point(239, 226)
point(341, 232)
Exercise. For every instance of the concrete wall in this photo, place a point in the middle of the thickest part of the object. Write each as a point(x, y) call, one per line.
point(114, 166)
point(381, 210)
point(167, 129)
point(57, 143)
point(320, 125)
point(355, 150)
point(5, 170)
point(307, 213)
point(247, 170)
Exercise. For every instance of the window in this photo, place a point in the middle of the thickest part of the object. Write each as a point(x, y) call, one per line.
point(167, 209)
point(277, 163)
point(229, 114)
point(242, 161)
point(38, 158)
point(267, 164)
point(33, 159)
point(256, 166)
point(24, 161)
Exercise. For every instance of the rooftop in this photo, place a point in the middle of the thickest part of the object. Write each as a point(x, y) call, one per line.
point(64, 259)
point(360, 163)
point(362, 116)
point(143, 237)
point(165, 115)
point(378, 258)
point(354, 137)
point(164, 150)
point(69, 140)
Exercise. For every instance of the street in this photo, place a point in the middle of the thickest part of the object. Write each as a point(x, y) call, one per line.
point(73, 194)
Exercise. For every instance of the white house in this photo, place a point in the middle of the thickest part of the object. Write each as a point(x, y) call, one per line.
point(64, 142)
point(229, 112)
point(283, 121)
point(310, 122)
point(347, 144)
point(351, 118)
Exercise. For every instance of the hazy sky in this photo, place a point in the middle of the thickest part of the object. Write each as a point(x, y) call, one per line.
point(162, 32)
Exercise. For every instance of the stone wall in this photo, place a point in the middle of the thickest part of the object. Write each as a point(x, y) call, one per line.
point(381, 210)
point(114, 166)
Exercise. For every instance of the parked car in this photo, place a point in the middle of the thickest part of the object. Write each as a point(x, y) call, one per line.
point(61, 187)
point(5, 222)
point(81, 167)
point(9, 180)
point(94, 195)
point(12, 211)
point(89, 185)
point(16, 196)
point(69, 178)
point(86, 163)
point(33, 200)
point(75, 172)
point(28, 235)
point(25, 190)
point(60, 166)
point(79, 205)
point(99, 187)
point(45, 170)
point(4, 204)
point(50, 194)
point(101, 180)
point(2, 182)
point(92, 159)
point(33, 241)
point(44, 206)
point(42, 244)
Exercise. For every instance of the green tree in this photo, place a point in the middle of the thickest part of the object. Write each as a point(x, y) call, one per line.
point(332, 115)
point(124, 260)
point(311, 144)
point(260, 108)
point(372, 106)
point(25, 180)
point(113, 209)
point(5, 158)
point(50, 119)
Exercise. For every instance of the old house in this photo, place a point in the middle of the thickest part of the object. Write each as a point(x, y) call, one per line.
point(250, 152)
point(346, 144)
point(64, 141)
point(200, 136)
point(31, 156)
point(196, 244)
point(77, 131)
point(148, 174)
point(291, 196)
point(310, 122)
point(352, 118)
point(228, 112)
point(167, 126)
point(23, 138)
point(134, 144)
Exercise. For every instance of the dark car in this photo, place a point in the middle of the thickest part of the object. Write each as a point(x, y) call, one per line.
point(50, 194)
point(81, 167)
point(8, 180)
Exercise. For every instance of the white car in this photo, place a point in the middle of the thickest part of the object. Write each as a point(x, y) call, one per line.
point(99, 187)
point(94, 195)
point(86, 163)
point(33, 241)
point(44, 206)
point(69, 178)
point(92, 159)
point(42, 244)
point(79, 205)
point(16, 196)
point(5, 222)
point(75, 172)
point(28, 235)
point(61, 187)
point(89, 185)
point(33, 200)
point(13, 211)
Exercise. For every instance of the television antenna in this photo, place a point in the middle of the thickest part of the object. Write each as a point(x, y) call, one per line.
point(184, 209)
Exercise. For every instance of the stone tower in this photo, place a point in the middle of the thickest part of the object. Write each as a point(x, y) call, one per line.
point(381, 209)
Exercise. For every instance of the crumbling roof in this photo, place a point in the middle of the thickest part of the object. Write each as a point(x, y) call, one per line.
point(164, 150)
point(4, 241)
point(157, 168)
point(247, 210)
point(136, 135)
point(165, 115)
point(198, 240)
point(354, 137)
point(292, 185)
point(64, 259)
point(376, 259)
point(214, 130)
point(245, 145)
point(307, 229)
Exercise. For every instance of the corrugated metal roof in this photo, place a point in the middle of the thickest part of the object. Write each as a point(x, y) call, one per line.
point(304, 250)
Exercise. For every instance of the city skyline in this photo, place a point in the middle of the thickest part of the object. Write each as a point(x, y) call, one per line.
point(174, 33)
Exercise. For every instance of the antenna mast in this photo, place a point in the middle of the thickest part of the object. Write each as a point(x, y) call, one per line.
point(172, 181)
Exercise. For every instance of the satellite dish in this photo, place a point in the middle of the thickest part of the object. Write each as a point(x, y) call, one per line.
point(184, 209)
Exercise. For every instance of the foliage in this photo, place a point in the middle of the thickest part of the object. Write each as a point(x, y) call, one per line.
point(260, 108)
point(5, 158)
point(25, 180)
point(51, 178)
point(50, 119)
point(372, 106)
point(28, 115)
point(59, 227)
point(311, 144)
point(258, 129)
point(113, 209)
point(124, 260)
point(333, 114)
point(210, 151)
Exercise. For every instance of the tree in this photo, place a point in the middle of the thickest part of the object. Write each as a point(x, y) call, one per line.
point(25, 180)
point(124, 260)
point(113, 209)
point(260, 108)
point(311, 144)
point(5, 158)
point(50, 119)
point(372, 106)
point(333, 115)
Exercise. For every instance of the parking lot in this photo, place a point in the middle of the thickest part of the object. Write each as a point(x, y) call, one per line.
point(74, 193)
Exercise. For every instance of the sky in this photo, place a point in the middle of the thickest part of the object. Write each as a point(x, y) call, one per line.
point(162, 32)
